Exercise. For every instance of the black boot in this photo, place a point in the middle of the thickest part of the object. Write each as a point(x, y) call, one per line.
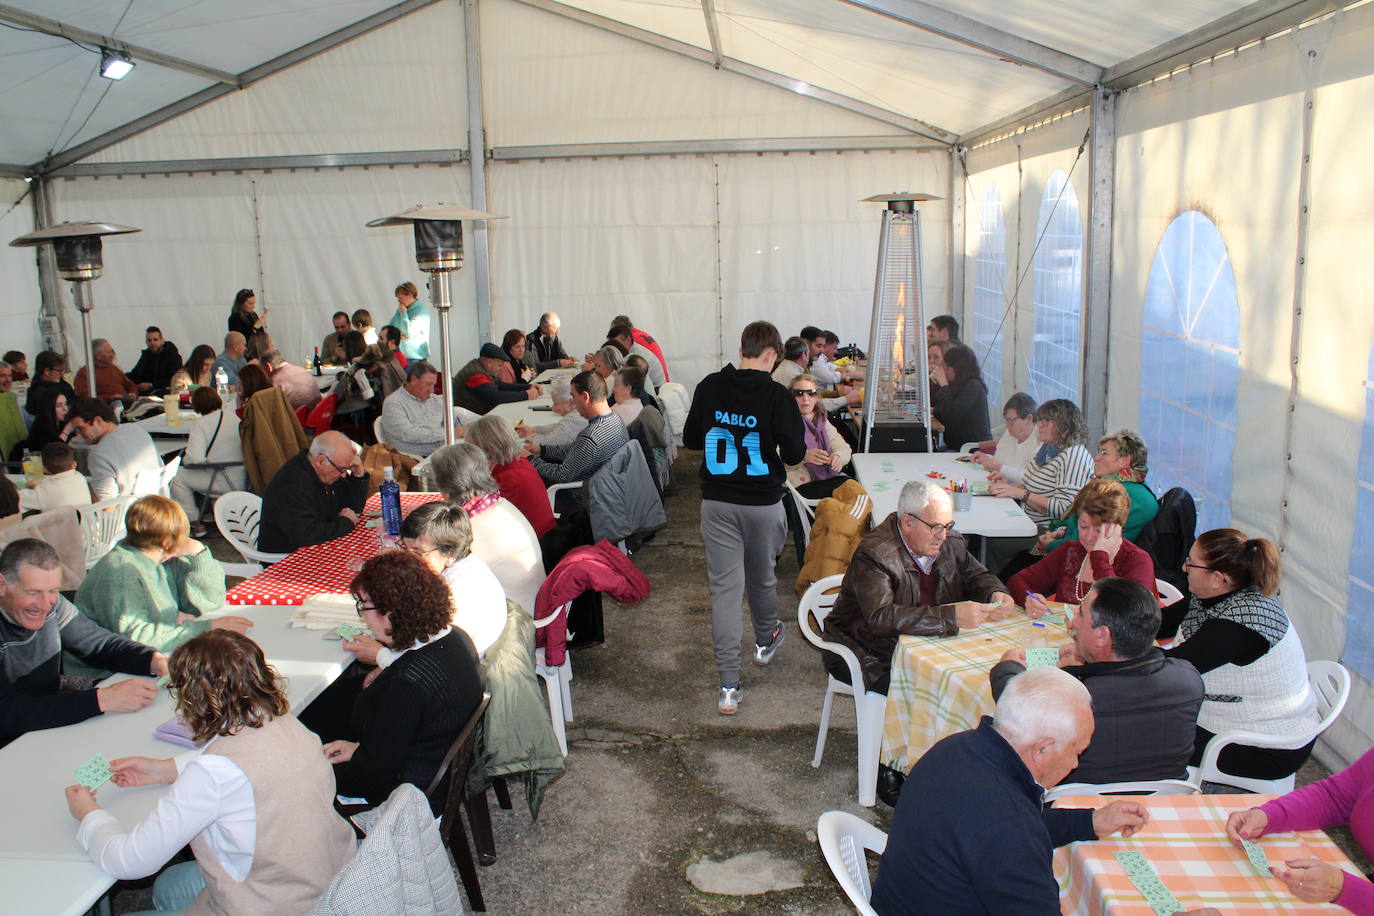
point(889, 784)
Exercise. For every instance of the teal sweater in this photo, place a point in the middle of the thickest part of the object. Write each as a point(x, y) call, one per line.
point(1144, 508)
point(130, 594)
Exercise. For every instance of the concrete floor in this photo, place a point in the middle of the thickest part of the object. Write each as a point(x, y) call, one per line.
point(658, 782)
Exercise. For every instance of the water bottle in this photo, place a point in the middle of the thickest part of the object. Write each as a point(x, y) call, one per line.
point(391, 504)
point(221, 383)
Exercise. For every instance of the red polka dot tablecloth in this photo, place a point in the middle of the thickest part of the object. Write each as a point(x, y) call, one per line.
point(320, 568)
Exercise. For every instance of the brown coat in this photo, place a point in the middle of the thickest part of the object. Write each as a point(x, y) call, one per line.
point(271, 434)
point(841, 522)
point(879, 599)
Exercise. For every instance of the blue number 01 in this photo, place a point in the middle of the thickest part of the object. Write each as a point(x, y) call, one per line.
point(722, 455)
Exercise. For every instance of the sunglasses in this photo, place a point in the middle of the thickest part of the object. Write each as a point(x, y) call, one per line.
point(803, 392)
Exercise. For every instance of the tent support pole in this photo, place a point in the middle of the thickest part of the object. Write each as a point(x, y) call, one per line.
point(477, 170)
point(49, 288)
point(958, 217)
point(1102, 196)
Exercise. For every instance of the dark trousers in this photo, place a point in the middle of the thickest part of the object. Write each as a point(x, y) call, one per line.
point(836, 666)
point(1254, 762)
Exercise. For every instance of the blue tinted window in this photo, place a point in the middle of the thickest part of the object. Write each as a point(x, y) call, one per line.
point(1189, 363)
point(989, 295)
point(1057, 295)
point(1359, 621)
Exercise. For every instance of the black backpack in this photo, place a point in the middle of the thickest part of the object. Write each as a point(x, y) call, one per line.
point(1169, 536)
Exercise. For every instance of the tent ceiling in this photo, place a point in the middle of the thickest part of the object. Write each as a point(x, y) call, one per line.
point(52, 98)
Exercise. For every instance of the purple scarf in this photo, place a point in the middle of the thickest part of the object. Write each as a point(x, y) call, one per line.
point(816, 437)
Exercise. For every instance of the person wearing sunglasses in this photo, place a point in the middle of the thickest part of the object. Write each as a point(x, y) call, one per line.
point(315, 496)
point(820, 472)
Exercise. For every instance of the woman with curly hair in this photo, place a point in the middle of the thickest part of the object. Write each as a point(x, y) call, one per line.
point(256, 805)
point(404, 721)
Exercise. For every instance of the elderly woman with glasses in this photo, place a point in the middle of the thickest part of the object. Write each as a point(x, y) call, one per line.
point(405, 720)
point(501, 535)
point(1122, 457)
point(819, 473)
point(1239, 638)
point(569, 423)
point(1098, 552)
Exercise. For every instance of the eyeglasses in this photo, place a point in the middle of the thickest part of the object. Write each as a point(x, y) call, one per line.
point(1189, 564)
point(358, 603)
point(803, 392)
point(342, 471)
point(411, 548)
point(946, 528)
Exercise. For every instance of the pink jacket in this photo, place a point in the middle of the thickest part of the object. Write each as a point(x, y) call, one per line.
point(599, 567)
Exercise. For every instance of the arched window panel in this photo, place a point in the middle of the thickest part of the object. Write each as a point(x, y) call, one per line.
point(1190, 365)
point(989, 294)
point(1057, 295)
point(1359, 620)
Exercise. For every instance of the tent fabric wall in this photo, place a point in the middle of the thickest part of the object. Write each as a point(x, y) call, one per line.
point(22, 302)
point(204, 237)
point(400, 87)
point(695, 247)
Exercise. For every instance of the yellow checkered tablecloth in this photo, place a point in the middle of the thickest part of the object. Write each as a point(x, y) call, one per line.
point(1185, 843)
point(940, 684)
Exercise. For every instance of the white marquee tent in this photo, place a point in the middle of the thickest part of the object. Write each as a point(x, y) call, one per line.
point(1155, 209)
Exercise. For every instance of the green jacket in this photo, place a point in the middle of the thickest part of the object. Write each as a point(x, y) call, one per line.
point(516, 734)
point(1144, 508)
point(130, 594)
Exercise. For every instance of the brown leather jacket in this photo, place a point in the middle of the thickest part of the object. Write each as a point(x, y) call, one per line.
point(880, 597)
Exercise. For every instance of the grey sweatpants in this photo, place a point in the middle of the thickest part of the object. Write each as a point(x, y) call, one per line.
point(742, 547)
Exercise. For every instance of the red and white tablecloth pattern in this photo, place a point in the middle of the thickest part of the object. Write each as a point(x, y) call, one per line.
point(320, 568)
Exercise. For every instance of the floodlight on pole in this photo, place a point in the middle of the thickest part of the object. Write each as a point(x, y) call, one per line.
point(114, 65)
point(77, 248)
point(438, 232)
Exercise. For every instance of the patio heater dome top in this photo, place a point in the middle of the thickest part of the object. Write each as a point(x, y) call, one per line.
point(420, 212)
point(900, 195)
point(76, 229)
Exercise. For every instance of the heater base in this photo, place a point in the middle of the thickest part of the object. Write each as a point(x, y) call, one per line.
point(897, 437)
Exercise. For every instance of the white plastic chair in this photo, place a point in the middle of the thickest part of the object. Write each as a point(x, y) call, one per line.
point(806, 511)
point(1168, 594)
point(869, 707)
point(156, 480)
point(1330, 682)
point(102, 525)
point(845, 839)
point(968, 448)
point(1145, 787)
point(557, 682)
point(555, 488)
point(237, 515)
point(169, 470)
point(381, 439)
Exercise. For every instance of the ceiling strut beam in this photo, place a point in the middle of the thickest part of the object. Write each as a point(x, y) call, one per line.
point(48, 26)
point(742, 68)
point(947, 24)
point(708, 7)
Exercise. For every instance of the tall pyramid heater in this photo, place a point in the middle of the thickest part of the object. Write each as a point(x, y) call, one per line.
point(897, 391)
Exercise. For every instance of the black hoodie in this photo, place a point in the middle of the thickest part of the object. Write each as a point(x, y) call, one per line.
point(743, 420)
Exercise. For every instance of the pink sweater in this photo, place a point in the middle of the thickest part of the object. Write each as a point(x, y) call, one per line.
point(1346, 797)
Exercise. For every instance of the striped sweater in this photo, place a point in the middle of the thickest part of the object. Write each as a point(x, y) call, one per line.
point(593, 447)
point(1059, 479)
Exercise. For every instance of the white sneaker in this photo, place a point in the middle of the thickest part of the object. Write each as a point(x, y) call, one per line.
point(728, 700)
point(764, 654)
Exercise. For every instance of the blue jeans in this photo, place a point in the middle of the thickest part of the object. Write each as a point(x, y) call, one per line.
point(175, 889)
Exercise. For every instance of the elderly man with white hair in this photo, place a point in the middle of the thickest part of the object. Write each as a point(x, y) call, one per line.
point(912, 575)
point(970, 835)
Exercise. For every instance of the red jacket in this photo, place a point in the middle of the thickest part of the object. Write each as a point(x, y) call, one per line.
point(599, 567)
point(645, 340)
point(521, 485)
point(1055, 574)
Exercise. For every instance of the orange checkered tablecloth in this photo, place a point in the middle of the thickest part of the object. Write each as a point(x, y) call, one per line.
point(321, 568)
point(1186, 845)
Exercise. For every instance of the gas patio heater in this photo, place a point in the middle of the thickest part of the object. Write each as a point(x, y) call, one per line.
point(77, 247)
point(438, 252)
point(896, 402)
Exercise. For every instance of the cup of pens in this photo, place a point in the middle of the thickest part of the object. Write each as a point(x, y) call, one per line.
point(961, 495)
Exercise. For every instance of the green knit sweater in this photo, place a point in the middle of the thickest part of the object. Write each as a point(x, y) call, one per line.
point(129, 593)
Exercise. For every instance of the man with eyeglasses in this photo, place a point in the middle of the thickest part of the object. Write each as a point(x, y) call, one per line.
point(314, 497)
point(912, 575)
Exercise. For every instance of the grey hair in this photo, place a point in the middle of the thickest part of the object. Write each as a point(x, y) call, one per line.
point(273, 358)
point(612, 357)
point(5, 365)
point(544, 319)
point(494, 436)
point(27, 552)
point(443, 523)
point(99, 342)
point(318, 446)
point(1041, 703)
point(461, 472)
point(561, 389)
point(917, 494)
point(420, 368)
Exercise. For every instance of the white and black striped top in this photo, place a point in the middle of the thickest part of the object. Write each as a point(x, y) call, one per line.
point(1060, 479)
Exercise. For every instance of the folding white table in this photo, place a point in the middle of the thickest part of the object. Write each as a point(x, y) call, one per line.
point(42, 867)
point(885, 473)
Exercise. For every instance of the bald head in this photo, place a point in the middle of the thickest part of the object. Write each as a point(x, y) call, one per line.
point(331, 455)
point(235, 344)
point(549, 324)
